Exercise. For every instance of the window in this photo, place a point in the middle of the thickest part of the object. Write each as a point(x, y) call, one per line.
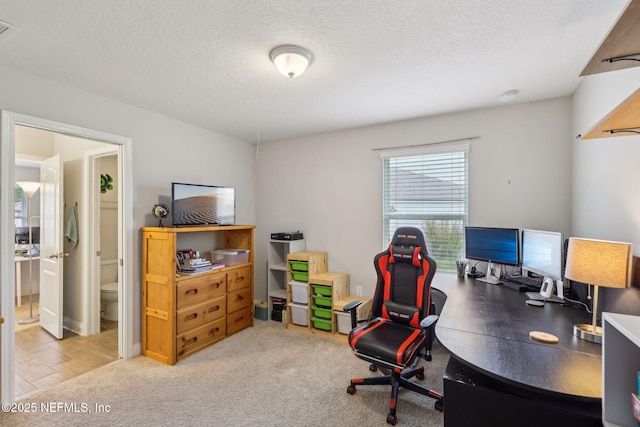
point(428, 189)
point(20, 207)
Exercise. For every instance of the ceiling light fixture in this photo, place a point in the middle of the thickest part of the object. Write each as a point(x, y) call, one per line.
point(291, 60)
point(508, 96)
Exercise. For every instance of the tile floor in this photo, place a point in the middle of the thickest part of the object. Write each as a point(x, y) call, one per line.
point(43, 361)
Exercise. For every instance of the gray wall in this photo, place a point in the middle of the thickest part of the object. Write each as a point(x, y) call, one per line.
point(164, 149)
point(329, 186)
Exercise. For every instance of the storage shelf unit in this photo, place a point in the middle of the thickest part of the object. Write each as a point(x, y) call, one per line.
point(182, 314)
point(316, 264)
point(316, 314)
point(277, 267)
point(623, 41)
point(620, 367)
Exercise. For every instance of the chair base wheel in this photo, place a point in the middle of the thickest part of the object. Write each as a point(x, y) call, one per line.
point(391, 419)
point(439, 405)
point(351, 389)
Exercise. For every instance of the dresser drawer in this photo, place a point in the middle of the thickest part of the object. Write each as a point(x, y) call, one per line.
point(238, 320)
point(200, 288)
point(238, 279)
point(196, 315)
point(238, 299)
point(197, 338)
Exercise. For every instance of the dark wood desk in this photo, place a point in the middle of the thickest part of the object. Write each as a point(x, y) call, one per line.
point(500, 376)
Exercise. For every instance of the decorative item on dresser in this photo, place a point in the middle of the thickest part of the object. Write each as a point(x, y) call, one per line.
point(182, 314)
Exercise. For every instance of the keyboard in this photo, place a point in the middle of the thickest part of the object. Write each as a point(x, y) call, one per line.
point(530, 282)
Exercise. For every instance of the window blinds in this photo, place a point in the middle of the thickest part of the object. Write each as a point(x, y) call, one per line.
point(427, 188)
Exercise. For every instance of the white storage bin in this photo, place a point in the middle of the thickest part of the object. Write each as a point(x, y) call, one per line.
point(344, 321)
point(299, 314)
point(230, 256)
point(299, 292)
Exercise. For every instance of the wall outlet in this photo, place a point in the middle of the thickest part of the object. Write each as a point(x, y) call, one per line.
point(359, 291)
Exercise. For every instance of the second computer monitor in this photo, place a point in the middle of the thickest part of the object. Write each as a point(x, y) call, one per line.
point(542, 253)
point(498, 245)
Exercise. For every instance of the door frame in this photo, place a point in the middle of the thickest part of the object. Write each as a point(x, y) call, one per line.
point(8, 121)
point(91, 223)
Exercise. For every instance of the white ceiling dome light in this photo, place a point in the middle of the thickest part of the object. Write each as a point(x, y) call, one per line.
point(291, 60)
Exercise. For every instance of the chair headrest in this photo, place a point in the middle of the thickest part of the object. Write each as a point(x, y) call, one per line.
point(408, 246)
point(409, 236)
point(405, 254)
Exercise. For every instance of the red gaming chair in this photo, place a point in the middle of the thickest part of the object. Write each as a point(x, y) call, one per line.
point(402, 323)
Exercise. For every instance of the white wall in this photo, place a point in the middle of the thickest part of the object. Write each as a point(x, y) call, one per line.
point(329, 186)
point(606, 204)
point(164, 149)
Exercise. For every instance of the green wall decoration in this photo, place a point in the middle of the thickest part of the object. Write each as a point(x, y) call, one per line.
point(105, 182)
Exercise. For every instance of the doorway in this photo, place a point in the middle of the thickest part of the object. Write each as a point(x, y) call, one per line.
point(122, 148)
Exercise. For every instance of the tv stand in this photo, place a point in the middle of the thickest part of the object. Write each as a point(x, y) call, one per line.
point(182, 314)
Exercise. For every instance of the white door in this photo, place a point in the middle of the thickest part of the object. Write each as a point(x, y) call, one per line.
point(51, 246)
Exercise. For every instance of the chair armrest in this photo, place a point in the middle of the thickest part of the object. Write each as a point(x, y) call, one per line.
point(352, 305)
point(428, 321)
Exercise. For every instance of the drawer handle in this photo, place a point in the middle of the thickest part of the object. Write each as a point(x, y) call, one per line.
point(239, 279)
point(239, 298)
point(239, 319)
point(213, 332)
point(190, 341)
point(191, 317)
point(212, 309)
point(216, 285)
point(191, 292)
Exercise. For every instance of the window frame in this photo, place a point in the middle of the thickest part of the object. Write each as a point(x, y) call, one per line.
point(428, 159)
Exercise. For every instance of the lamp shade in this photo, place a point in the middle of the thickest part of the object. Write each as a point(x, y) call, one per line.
point(599, 262)
point(291, 61)
point(29, 187)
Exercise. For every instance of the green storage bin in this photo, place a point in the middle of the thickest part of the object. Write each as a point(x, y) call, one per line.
point(324, 313)
point(323, 324)
point(302, 277)
point(299, 265)
point(322, 300)
point(321, 289)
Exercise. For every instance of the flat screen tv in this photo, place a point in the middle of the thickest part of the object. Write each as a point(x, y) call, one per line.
point(194, 204)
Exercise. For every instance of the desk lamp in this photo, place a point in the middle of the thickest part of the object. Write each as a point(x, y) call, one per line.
point(29, 189)
point(598, 263)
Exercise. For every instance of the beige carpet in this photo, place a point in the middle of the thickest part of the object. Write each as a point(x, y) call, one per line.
point(263, 376)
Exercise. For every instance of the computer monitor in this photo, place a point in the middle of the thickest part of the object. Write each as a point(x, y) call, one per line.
point(492, 245)
point(542, 254)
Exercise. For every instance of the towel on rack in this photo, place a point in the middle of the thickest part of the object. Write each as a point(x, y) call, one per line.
point(71, 226)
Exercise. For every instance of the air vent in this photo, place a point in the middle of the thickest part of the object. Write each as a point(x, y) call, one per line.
point(6, 29)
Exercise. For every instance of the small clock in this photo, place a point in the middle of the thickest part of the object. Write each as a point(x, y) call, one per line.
point(160, 211)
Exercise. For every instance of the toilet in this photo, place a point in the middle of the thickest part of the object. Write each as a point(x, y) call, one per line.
point(109, 301)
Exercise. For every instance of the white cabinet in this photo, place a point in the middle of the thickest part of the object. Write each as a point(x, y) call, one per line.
point(620, 367)
point(277, 266)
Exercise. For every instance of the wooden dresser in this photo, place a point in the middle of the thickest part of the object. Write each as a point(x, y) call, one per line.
point(182, 314)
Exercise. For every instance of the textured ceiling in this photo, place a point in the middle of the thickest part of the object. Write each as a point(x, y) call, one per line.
point(207, 61)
